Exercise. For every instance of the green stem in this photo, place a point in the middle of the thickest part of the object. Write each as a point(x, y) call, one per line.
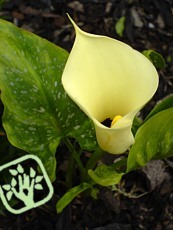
point(70, 170)
point(91, 163)
point(73, 157)
point(95, 157)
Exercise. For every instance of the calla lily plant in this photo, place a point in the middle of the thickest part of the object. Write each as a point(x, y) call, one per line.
point(109, 81)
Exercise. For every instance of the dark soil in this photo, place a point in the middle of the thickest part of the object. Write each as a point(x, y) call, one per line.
point(149, 25)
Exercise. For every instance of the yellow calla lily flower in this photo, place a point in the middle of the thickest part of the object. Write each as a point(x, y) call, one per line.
point(107, 78)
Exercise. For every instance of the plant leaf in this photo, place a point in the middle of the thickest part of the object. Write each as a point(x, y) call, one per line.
point(7, 187)
point(105, 175)
point(38, 187)
point(70, 195)
point(32, 172)
point(120, 25)
point(156, 58)
point(166, 103)
point(136, 124)
point(154, 140)
point(9, 195)
point(13, 172)
point(20, 168)
point(37, 111)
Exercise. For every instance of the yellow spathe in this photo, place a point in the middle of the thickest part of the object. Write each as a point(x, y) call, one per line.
point(105, 78)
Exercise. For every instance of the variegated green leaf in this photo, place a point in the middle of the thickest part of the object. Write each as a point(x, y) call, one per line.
point(37, 111)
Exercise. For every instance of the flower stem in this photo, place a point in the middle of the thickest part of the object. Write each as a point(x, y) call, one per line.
point(95, 157)
point(91, 163)
point(73, 157)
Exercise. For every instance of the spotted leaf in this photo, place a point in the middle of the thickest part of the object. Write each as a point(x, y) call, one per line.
point(37, 111)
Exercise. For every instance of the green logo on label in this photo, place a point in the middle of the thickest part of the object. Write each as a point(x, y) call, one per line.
point(29, 184)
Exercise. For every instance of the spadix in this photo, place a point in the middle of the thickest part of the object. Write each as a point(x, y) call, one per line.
point(116, 118)
point(106, 78)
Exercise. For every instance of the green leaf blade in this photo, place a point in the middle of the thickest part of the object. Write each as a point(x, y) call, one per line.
point(154, 140)
point(120, 26)
point(105, 175)
point(157, 59)
point(166, 103)
point(37, 111)
point(70, 195)
point(30, 69)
